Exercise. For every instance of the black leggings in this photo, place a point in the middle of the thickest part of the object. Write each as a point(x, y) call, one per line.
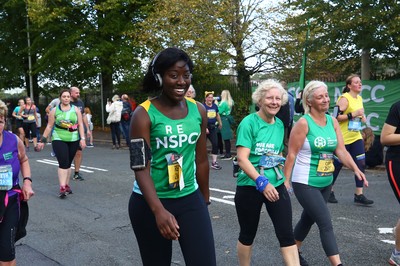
point(315, 210)
point(196, 236)
point(393, 173)
point(65, 152)
point(8, 229)
point(248, 203)
point(213, 137)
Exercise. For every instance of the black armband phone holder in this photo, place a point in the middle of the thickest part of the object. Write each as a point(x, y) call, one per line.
point(140, 154)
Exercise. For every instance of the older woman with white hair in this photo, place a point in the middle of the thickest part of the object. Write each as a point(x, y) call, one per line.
point(260, 180)
point(114, 109)
point(309, 164)
point(191, 92)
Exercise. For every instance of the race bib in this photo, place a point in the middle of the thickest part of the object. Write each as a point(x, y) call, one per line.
point(354, 124)
point(31, 117)
point(325, 164)
point(175, 175)
point(6, 177)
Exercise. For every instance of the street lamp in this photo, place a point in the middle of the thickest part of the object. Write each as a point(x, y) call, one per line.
point(29, 56)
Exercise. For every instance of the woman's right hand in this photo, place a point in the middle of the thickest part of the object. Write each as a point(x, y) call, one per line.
point(167, 224)
point(39, 146)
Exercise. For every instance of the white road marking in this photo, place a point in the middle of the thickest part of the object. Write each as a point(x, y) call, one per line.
point(223, 191)
point(222, 201)
point(225, 197)
point(83, 167)
point(386, 230)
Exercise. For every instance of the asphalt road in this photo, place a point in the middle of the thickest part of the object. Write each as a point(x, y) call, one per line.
point(92, 227)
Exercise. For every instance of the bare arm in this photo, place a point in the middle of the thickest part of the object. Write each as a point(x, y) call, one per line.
point(388, 135)
point(202, 165)
point(166, 222)
point(343, 105)
point(80, 127)
point(25, 171)
point(35, 114)
point(345, 157)
point(86, 123)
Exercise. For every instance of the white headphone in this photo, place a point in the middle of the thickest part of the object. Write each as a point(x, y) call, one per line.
point(156, 76)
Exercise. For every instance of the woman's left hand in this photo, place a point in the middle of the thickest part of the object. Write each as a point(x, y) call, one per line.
point(27, 190)
point(271, 193)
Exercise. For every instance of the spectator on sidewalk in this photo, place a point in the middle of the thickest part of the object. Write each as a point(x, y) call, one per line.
point(89, 116)
point(125, 117)
point(114, 110)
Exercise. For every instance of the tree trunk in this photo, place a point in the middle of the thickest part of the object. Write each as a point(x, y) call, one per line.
point(365, 64)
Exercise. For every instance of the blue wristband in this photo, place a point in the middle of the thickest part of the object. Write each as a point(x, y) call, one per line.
point(261, 183)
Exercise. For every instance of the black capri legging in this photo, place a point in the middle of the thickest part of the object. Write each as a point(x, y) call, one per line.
point(29, 129)
point(313, 200)
point(65, 152)
point(248, 202)
point(196, 236)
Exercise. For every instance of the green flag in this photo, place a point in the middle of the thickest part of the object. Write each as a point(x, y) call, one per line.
point(302, 81)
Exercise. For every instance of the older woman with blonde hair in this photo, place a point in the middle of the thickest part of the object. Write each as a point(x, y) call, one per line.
point(309, 165)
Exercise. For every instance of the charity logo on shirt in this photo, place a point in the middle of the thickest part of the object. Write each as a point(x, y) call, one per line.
point(176, 137)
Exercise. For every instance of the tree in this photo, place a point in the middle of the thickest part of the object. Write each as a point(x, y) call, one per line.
point(14, 68)
point(350, 29)
point(80, 40)
point(224, 33)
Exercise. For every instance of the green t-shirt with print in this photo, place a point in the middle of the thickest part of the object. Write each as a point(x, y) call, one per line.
point(261, 138)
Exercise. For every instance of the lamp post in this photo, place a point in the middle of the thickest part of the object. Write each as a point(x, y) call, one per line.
point(29, 56)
